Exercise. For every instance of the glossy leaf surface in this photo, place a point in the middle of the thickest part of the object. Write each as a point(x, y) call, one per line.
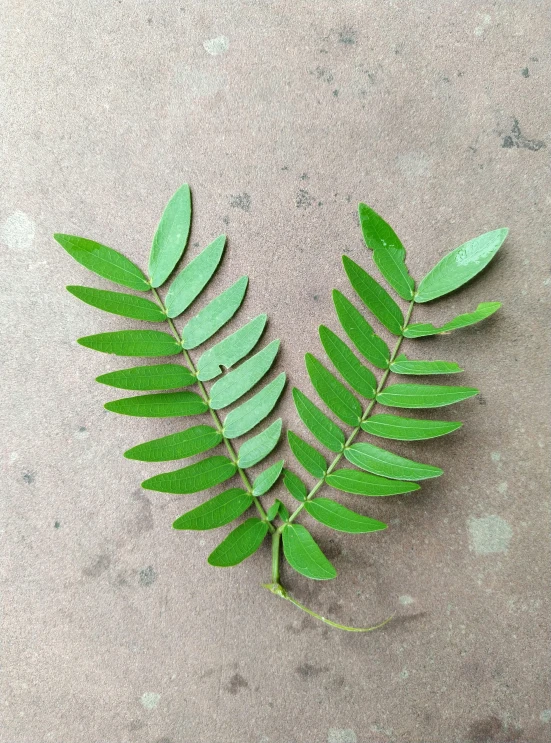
point(310, 458)
point(240, 543)
point(195, 477)
point(337, 517)
point(236, 383)
point(358, 376)
point(484, 310)
point(149, 378)
point(295, 486)
point(375, 298)
point(104, 261)
point(151, 343)
point(381, 462)
point(119, 303)
point(407, 429)
point(216, 314)
point(423, 396)
point(258, 447)
point(218, 511)
point(267, 479)
point(364, 483)
point(232, 349)
point(319, 425)
point(250, 413)
point(195, 440)
point(159, 405)
point(333, 393)
point(403, 365)
point(460, 266)
point(388, 252)
point(194, 277)
point(170, 237)
point(303, 554)
point(360, 332)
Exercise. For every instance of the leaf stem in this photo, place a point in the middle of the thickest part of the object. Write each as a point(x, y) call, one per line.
point(214, 415)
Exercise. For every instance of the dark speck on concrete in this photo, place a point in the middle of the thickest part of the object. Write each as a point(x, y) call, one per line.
point(492, 729)
point(316, 297)
point(237, 683)
point(347, 36)
point(99, 566)
point(285, 167)
point(303, 200)
point(534, 59)
point(57, 524)
point(241, 201)
point(226, 219)
point(28, 477)
point(308, 671)
point(196, 244)
point(481, 400)
point(525, 72)
point(304, 177)
point(336, 93)
point(322, 73)
point(148, 576)
point(517, 139)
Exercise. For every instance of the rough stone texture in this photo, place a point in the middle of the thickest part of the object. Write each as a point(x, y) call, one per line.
point(282, 116)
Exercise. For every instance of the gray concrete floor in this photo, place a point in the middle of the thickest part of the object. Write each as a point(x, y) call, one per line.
point(282, 116)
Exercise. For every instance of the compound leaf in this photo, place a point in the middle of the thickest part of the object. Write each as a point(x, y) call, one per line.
point(358, 376)
point(119, 303)
point(381, 462)
point(375, 298)
point(171, 236)
point(337, 517)
point(193, 478)
point(104, 261)
point(403, 365)
point(310, 458)
point(191, 281)
point(319, 425)
point(159, 405)
point(364, 483)
point(240, 543)
point(144, 378)
point(267, 479)
point(195, 440)
point(295, 486)
point(407, 429)
point(258, 447)
point(133, 343)
point(250, 413)
point(484, 310)
point(423, 396)
point(303, 554)
point(333, 393)
point(216, 314)
point(218, 511)
point(230, 350)
point(234, 385)
point(360, 332)
point(460, 266)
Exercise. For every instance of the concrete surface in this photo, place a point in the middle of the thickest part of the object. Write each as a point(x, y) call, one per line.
point(282, 116)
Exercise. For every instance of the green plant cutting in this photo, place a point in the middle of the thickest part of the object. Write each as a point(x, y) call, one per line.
point(362, 389)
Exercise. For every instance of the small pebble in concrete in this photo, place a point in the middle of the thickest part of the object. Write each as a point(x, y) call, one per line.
point(489, 534)
point(150, 700)
point(405, 600)
point(216, 46)
point(336, 735)
point(18, 231)
point(546, 715)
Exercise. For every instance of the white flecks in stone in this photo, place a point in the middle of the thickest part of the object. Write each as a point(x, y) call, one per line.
point(486, 20)
point(18, 231)
point(546, 715)
point(150, 700)
point(406, 600)
point(502, 487)
point(496, 456)
point(336, 735)
point(14, 456)
point(218, 45)
point(489, 534)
